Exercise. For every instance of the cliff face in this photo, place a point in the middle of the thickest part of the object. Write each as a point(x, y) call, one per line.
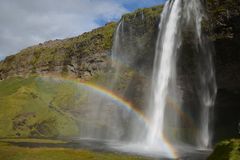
point(223, 29)
point(138, 34)
point(80, 56)
point(88, 57)
point(225, 20)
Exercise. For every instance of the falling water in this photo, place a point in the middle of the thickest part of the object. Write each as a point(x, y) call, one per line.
point(124, 53)
point(167, 88)
point(116, 48)
point(179, 14)
point(164, 66)
point(206, 74)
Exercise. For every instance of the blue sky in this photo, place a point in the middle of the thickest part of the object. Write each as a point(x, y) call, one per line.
point(28, 22)
point(132, 5)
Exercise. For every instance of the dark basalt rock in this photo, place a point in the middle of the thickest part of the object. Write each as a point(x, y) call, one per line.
point(225, 22)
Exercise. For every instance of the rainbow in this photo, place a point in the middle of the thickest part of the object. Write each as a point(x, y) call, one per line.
point(116, 98)
point(169, 149)
point(128, 105)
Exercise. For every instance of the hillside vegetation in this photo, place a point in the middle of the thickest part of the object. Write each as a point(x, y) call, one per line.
point(37, 107)
point(80, 56)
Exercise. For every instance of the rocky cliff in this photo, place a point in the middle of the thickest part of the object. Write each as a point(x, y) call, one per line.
point(80, 56)
point(225, 20)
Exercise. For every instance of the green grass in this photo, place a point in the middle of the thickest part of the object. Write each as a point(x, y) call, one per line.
point(39, 107)
point(152, 12)
point(10, 152)
point(32, 140)
point(44, 107)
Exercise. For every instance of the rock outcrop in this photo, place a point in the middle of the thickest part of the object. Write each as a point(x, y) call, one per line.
point(81, 56)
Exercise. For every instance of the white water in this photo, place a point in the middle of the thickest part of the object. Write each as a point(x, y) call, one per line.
point(164, 67)
point(178, 14)
point(116, 50)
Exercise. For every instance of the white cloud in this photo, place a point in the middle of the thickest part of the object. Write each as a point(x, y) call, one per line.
point(27, 22)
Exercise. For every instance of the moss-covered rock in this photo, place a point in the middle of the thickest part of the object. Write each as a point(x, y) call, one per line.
point(224, 17)
point(226, 150)
point(79, 56)
point(138, 33)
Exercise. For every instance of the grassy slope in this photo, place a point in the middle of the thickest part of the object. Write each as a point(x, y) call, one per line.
point(11, 152)
point(38, 107)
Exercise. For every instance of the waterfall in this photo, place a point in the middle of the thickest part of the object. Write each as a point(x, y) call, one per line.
point(116, 48)
point(164, 66)
point(177, 15)
point(125, 53)
point(166, 116)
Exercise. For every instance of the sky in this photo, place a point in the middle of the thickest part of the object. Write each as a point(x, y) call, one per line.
point(27, 22)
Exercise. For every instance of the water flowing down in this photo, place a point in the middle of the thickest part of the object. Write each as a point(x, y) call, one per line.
point(177, 15)
point(116, 48)
point(166, 115)
point(164, 66)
